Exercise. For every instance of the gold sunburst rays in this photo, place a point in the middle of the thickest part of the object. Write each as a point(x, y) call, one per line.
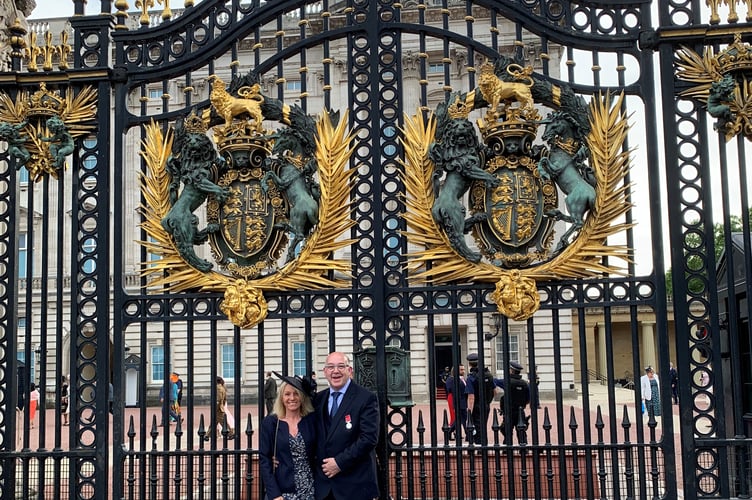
point(79, 110)
point(76, 110)
point(438, 263)
point(13, 111)
point(244, 302)
point(701, 69)
point(30, 112)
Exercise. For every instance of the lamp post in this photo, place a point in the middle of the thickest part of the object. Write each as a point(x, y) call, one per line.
point(496, 317)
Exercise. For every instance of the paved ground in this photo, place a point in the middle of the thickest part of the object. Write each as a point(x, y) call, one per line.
point(57, 439)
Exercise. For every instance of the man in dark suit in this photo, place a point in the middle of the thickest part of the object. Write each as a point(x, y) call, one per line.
point(270, 392)
point(347, 415)
point(455, 386)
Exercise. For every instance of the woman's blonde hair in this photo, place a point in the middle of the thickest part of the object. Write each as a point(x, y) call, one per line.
point(306, 406)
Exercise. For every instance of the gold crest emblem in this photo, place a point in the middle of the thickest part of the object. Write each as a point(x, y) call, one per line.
point(724, 84)
point(512, 187)
point(249, 205)
point(41, 127)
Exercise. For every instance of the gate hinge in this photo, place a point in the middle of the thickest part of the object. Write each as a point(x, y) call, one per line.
point(648, 40)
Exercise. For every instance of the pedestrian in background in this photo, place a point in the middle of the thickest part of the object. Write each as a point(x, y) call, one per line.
point(533, 381)
point(171, 399)
point(674, 379)
point(475, 385)
point(34, 398)
point(650, 390)
point(519, 397)
point(221, 411)
point(312, 381)
point(455, 386)
point(64, 394)
point(179, 383)
point(270, 392)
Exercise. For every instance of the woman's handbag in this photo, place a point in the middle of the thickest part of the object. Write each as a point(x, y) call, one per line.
point(274, 455)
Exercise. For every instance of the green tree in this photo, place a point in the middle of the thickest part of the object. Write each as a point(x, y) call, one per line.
point(693, 242)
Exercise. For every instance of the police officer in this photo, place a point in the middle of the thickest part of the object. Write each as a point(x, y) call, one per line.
point(518, 398)
point(476, 383)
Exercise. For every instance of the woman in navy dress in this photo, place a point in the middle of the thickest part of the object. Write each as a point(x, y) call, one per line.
point(287, 443)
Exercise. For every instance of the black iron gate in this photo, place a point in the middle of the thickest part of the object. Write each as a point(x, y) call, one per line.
point(95, 288)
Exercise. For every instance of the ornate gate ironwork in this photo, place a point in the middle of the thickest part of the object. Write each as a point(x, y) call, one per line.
point(97, 285)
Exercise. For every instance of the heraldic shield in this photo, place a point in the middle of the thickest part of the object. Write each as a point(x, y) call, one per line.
point(515, 228)
point(263, 191)
point(247, 242)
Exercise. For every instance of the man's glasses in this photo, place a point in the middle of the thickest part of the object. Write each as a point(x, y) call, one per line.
point(341, 367)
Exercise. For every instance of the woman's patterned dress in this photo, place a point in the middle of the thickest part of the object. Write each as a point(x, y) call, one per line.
point(303, 474)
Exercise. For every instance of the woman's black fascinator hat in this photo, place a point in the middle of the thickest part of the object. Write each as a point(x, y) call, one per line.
point(303, 384)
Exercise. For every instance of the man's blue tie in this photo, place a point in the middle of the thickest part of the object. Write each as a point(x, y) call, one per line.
point(335, 402)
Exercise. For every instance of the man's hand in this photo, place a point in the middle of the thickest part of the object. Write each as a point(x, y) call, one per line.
point(330, 467)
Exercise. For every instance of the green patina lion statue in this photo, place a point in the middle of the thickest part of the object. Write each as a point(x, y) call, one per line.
point(193, 155)
point(721, 94)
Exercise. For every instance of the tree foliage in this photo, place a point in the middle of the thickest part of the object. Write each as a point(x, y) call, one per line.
point(695, 253)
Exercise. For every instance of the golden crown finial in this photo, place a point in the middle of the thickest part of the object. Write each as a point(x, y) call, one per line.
point(458, 109)
point(735, 57)
point(195, 124)
point(239, 136)
point(45, 102)
point(487, 68)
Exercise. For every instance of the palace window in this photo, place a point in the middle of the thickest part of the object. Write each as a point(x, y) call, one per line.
point(228, 361)
point(157, 363)
point(299, 358)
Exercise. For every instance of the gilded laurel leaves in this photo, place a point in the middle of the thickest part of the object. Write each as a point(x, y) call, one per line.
point(169, 270)
point(702, 69)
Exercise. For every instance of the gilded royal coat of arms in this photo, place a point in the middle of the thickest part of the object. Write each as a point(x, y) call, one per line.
point(518, 191)
point(723, 83)
point(41, 127)
point(263, 192)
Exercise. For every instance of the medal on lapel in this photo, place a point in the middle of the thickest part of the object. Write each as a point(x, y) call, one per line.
point(348, 422)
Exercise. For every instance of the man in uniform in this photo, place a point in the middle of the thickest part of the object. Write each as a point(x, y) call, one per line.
point(518, 398)
point(474, 384)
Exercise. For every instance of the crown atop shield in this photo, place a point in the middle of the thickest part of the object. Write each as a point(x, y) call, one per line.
point(45, 102)
point(737, 57)
point(239, 135)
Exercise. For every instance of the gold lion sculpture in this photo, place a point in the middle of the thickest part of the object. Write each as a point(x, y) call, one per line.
point(229, 106)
